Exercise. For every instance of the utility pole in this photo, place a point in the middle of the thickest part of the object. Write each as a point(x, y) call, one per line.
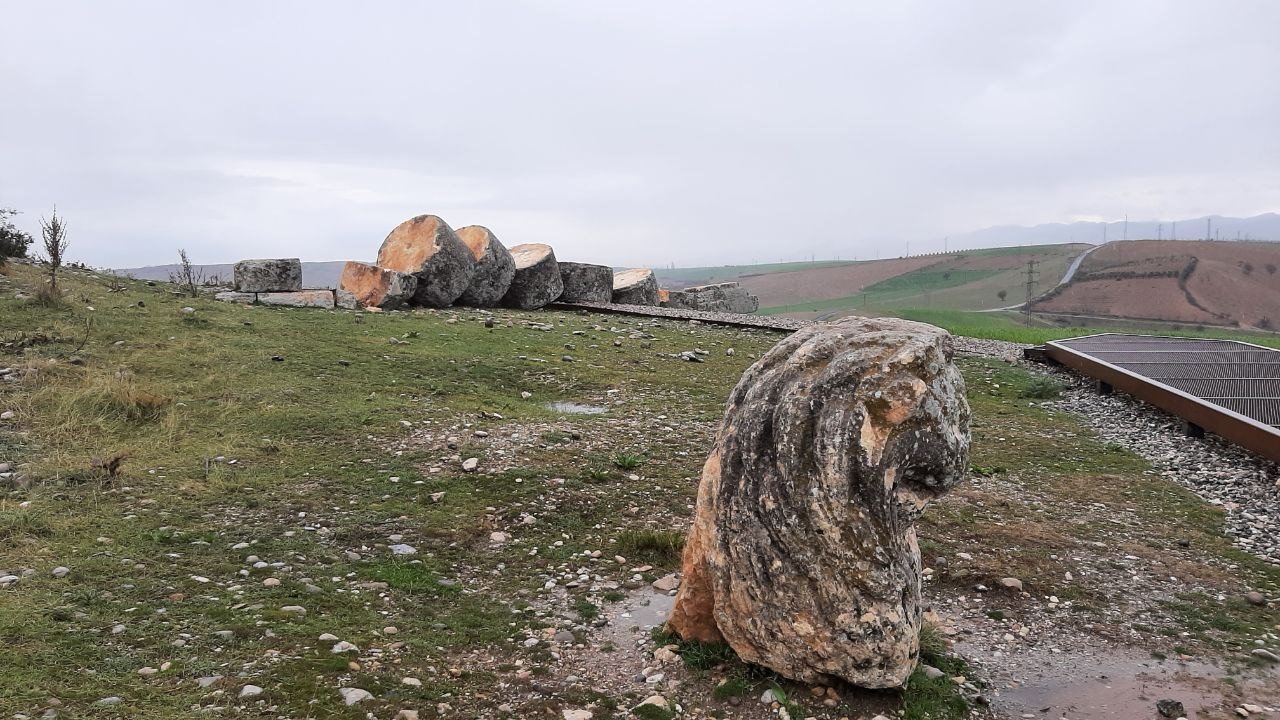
point(1126, 226)
point(944, 243)
point(1208, 228)
point(1159, 231)
point(1173, 233)
point(1031, 281)
point(1104, 232)
point(908, 248)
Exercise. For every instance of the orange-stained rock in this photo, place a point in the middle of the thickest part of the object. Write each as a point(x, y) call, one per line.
point(378, 287)
point(635, 287)
point(803, 554)
point(427, 248)
point(537, 280)
point(495, 267)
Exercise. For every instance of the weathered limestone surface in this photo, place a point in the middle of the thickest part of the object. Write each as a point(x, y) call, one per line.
point(301, 298)
point(537, 281)
point(378, 287)
point(803, 552)
point(495, 268)
point(586, 283)
point(236, 297)
point(277, 275)
point(635, 287)
point(345, 299)
point(426, 247)
point(727, 297)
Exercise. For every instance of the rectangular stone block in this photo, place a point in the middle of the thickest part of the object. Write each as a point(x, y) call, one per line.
point(301, 298)
point(236, 297)
point(262, 276)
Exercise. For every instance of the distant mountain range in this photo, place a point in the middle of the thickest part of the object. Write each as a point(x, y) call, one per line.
point(1258, 227)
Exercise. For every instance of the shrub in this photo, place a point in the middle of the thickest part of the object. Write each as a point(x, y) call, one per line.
point(13, 242)
point(54, 232)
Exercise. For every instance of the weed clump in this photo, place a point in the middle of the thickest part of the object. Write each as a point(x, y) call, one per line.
point(118, 397)
point(1042, 388)
point(655, 547)
point(628, 461)
point(16, 525)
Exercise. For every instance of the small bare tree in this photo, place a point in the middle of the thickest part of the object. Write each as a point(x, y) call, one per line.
point(187, 278)
point(54, 232)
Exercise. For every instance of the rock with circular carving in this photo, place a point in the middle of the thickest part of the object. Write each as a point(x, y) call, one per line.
point(495, 267)
point(635, 287)
point(537, 281)
point(803, 553)
point(586, 283)
point(374, 286)
point(427, 248)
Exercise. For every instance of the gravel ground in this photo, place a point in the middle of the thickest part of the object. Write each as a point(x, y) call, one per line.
point(768, 322)
point(1245, 485)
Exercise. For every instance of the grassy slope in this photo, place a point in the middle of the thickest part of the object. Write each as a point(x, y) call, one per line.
point(724, 273)
point(951, 283)
point(316, 445)
point(1011, 327)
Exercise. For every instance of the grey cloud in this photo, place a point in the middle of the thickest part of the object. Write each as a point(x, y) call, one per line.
point(629, 133)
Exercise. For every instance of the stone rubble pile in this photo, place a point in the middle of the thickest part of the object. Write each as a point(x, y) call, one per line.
point(424, 262)
point(720, 297)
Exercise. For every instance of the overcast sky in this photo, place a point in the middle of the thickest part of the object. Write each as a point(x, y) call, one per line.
point(627, 133)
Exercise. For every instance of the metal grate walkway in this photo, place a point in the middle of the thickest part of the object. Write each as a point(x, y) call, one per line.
point(1227, 387)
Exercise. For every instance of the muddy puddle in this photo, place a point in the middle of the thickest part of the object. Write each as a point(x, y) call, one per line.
point(572, 408)
point(1114, 685)
point(633, 618)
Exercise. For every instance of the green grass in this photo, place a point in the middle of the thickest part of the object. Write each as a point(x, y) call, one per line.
point(929, 278)
point(1008, 326)
point(655, 547)
point(724, 273)
point(314, 443)
point(309, 447)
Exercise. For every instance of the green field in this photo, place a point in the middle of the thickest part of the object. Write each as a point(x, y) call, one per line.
point(955, 281)
point(1010, 326)
point(728, 273)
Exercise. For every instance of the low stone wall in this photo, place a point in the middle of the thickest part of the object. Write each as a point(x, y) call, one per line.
point(328, 299)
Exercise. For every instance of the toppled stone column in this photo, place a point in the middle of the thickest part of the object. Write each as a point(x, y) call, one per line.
point(586, 283)
point(426, 247)
point(635, 287)
point(537, 281)
point(495, 267)
point(373, 286)
point(727, 297)
point(276, 275)
point(803, 552)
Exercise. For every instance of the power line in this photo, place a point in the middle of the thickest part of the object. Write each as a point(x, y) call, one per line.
point(1031, 281)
